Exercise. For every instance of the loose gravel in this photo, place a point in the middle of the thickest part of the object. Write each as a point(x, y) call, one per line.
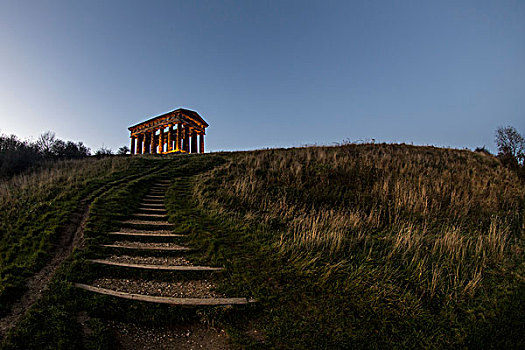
point(147, 222)
point(151, 260)
point(181, 337)
point(134, 230)
point(146, 244)
point(181, 289)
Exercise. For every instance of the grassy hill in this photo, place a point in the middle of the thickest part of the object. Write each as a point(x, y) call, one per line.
point(357, 246)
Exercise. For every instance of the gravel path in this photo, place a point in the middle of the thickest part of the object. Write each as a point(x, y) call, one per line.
point(181, 289)
point(151, 260)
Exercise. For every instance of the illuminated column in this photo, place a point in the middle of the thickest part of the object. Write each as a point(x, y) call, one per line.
point(144, 144)
point(147, 143)
point(186, 139)
point(173, 138)
point(201, 143)
point(132, 148)
point(170, 142)
point(139, 144)
point(161, 141)
point(153, 145)
point(194, 141)
point(178, 136)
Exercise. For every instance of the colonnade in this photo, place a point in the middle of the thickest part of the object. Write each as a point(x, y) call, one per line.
point(168, 139)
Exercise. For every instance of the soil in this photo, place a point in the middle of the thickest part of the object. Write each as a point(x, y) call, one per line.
point(185, 337)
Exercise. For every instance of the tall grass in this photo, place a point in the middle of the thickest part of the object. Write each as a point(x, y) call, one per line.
point(433, 221)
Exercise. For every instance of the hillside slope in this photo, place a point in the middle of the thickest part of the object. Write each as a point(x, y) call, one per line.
point(358, 246)
point(375, 245)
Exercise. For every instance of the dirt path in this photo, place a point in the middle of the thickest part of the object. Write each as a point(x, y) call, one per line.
point(70, 236)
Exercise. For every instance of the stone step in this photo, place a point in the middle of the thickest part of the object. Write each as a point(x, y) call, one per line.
point(157, 267)
point(166, 300)
point(150, 196)
point(145, 234)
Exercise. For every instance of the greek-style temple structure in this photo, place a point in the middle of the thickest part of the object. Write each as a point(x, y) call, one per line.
point(173, 132)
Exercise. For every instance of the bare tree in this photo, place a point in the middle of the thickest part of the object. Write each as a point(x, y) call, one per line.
point(45, 143)
point(511, 145)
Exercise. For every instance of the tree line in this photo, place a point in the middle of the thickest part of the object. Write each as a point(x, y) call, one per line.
point(18, 155)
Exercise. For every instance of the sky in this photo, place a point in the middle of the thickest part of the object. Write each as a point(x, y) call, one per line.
point(265, 73)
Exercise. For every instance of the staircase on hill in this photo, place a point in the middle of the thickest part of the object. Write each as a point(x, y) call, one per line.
point(146, 242)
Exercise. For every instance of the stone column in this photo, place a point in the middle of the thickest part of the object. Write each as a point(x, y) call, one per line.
point(132, 148)
point(161, 141)
point(201, 143)
point(170, 141)
point(145, 145)
point(139, 144)
point(186, 139)
point(178, 137)
point(153, 145)
point(194, 141)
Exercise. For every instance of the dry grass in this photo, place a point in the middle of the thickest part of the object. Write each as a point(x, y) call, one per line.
point(39, 185)
point(429, 217)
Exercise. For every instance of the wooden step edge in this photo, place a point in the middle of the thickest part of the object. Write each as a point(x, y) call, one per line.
point(151, 215)
point(166, 300)
point(132, 222)
point(154, 205)
point(157, 267)
point(151, 211)
point(146, 248)
point(140, 234)
point(140, 217)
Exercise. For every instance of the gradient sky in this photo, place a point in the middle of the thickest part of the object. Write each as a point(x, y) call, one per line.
point(265, 73)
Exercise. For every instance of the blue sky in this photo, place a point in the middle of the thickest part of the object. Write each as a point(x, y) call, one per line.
point(265, 73)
